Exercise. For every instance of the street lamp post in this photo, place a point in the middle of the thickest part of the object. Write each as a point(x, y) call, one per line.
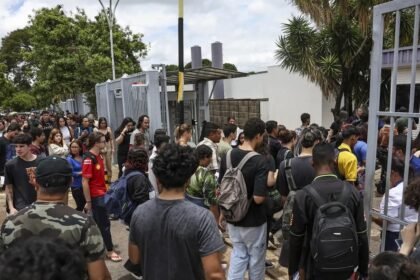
point(110, 19)
point(180, 98)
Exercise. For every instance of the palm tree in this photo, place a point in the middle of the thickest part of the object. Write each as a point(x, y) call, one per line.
point(330, 44)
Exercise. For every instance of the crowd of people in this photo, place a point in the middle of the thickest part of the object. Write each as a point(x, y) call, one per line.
point(259, 184)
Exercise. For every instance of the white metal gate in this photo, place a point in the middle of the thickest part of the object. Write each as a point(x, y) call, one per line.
point(383, 12)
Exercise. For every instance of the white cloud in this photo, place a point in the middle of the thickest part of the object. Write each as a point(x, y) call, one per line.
point(248, 29)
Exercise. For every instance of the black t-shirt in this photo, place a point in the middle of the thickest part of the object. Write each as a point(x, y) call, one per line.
point(124, 146)
point(4, 144)
point(282, 154)
point(302, 171)
point(255, 175)
point(274, 145)
point(304, 210)
point(173, 236)
point(16, 175)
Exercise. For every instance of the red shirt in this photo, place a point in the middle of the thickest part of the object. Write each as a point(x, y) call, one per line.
point(96, 175)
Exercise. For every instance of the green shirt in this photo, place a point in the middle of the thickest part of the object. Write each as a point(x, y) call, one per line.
point(203, 184)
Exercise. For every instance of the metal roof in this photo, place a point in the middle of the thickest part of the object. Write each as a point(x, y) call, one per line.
point(192, 76)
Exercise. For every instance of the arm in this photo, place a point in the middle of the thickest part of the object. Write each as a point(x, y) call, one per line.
point(71, 133)
point(9, 198)
point(97, 270)
point(410, 235)
point(57, 150)
point(86, 193)
point(297, 234)
point(111, 138)
point(212, 267)
point(362, 236)
point(134, 253)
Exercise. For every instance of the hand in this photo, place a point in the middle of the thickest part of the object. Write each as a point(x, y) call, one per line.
point(222, 223)
point(88, 207)
point(409, 234)
point(13, 211)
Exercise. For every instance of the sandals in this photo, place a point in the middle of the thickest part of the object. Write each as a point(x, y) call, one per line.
point(114, 257)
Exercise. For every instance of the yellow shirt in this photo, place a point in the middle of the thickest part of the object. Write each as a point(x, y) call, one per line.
point(347, 163)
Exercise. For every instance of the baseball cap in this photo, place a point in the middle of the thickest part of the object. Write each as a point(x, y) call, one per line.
point(52, 166)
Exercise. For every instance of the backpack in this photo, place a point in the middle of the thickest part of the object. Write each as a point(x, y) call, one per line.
point(288, 205)
point(91, 156)
point(117, 200)
point(334, 244)
point(233, 194)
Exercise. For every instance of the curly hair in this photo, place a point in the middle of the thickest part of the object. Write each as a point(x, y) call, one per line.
point(286, 136)
point(174, 165)
point(412, 194)
point(137, 159)
point(40, 258)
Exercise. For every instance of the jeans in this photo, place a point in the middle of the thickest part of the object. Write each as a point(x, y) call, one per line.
point(100, 215)
point(249, 246)
point(390, 244)
point(79, 198)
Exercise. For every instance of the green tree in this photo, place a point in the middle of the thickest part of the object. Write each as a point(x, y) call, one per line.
point(330, 44)
point(20, 102)
point(58, 56)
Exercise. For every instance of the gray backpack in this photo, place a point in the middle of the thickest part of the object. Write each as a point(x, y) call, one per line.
point(233, 194)
point(288, 205)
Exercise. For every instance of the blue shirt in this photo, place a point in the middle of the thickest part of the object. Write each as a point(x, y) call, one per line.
point(360, 150)
point(77, 169)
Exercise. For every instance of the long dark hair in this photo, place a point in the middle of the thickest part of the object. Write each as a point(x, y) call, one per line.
point(100, 120)
point(79, 143)
point(124, 122)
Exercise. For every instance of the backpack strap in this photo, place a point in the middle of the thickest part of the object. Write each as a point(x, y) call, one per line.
point(132, 174)
point(317, 199)
point(286, 153)
point(289, 176)
point(228, 159)
point(91, 156)
point(345, 192)
point(246, 158)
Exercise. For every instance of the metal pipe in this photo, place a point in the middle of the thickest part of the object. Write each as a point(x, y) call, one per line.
point(180, 98)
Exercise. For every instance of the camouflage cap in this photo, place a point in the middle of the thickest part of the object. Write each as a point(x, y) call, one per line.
point(53, 166)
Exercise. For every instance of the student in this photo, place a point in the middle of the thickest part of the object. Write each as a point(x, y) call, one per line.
point(393, 266)
point(187, 233)
point(20, 191)
point(143, 125)
point(328, 188)
point(160, 141)
point(229, 132)
point(139, 188)
point(94, 189)
point(346, 159)
point(288, 142)
point(75, 160)
point(210, 136)
point(38, 138)
point(305, 118)
point(108, 152)
point(273, 141)
point(183, 134)
point(202, 187)
point(50, 217)
point(7, 151)
point(56, 145)
point(122, 139)
point(65, 129)
point(42, 258)
point(249, 235)
point(395, 202)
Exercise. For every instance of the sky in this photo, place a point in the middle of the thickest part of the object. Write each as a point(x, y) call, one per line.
point(248, 29)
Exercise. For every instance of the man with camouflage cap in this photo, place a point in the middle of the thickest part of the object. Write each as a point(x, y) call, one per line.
point(49, 217)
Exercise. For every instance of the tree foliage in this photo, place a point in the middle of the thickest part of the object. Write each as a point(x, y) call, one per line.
point(58, 56)
point(330, 44)
point(21, 102)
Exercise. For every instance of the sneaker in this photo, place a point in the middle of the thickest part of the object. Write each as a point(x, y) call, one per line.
point(268, 264)
point(135, 276)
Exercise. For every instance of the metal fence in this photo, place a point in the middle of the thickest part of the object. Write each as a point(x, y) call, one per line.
point(132, 96)
point(385, 12)
point(77, 104)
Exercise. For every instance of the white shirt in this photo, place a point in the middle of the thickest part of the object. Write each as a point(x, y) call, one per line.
point(394, 205)
point(215, 161)
point(152, 177)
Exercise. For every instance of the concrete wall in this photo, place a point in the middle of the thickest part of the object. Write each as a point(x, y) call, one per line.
point(289, 95)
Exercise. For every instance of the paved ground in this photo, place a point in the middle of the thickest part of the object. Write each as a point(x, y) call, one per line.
point(120, 239)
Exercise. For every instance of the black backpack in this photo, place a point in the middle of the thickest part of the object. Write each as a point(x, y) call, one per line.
point(334, 244)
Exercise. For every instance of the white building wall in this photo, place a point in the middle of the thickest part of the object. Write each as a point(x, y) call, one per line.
point(289, 96)
point(404, 76)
